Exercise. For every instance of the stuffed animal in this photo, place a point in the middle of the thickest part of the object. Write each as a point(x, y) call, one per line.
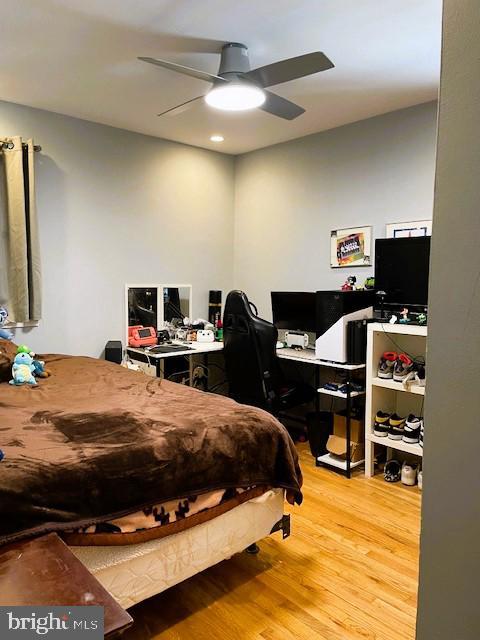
point(39, 370)
point(24, 349)
point(22, 370)
point(4, 333)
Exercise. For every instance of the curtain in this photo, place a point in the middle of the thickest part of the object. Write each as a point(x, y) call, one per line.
point(23, 296)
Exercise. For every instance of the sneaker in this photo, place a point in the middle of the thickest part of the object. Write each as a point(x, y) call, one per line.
point(412, 429)
point(381, 424)
point(420, 376)
point(409, 474)
point(420, 439)
point(330, 386)
point(387, 365)
point(396, 427)
point(354, 387)
point(403, 367)
point(420, 479)
point(392, 471)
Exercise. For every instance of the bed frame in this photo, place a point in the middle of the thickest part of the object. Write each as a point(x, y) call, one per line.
point(132, 573)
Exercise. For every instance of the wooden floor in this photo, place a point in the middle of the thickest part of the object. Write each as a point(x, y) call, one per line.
point(348, 571)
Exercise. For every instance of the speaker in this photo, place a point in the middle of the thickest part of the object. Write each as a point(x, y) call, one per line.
point(114, 351)
point(214, 306)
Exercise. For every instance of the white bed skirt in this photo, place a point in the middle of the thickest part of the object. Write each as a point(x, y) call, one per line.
point(135, 572)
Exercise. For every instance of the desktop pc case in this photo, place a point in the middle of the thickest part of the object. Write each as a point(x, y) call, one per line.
point(334, 310)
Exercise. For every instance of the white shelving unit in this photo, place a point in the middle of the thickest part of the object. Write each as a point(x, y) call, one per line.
point(388, 395)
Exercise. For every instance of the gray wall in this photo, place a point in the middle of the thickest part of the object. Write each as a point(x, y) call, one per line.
point(117, 207)
point(450, 553)
point(290, 196)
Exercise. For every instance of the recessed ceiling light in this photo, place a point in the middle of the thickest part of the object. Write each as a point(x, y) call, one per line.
point(235, 97)
point(217, 138)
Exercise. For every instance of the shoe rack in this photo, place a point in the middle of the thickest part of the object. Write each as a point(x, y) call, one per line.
point(388, 395)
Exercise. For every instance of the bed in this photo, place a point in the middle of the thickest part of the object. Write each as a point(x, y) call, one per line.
point(93, 451)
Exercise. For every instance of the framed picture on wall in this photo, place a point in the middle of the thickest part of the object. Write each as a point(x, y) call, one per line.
point(351, 247)
point(409, 229)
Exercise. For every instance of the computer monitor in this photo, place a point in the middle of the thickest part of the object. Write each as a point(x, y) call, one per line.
point(294, 310)
point(401, 270)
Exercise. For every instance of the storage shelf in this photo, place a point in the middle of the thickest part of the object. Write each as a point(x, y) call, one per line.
point(338, 463)
point(403, 329)
point(400, 445)
point(398, 386)
point(339, 394)
point(381, 337)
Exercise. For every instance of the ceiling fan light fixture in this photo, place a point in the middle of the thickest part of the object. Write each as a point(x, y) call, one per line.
point(235, 97)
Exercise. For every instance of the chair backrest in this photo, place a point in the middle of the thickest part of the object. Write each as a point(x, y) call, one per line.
point(251, 363)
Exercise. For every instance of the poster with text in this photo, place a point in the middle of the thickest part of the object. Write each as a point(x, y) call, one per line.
point(351, 247)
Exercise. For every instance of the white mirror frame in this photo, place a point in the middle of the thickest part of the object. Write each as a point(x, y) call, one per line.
point(159, 288)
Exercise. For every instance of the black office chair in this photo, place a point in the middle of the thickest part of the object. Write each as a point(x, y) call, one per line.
point(253, 370)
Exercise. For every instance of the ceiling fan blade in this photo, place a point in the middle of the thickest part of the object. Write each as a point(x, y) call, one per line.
point(187, 71)
point(180, 108)
point(290, 69)
point(281, 107)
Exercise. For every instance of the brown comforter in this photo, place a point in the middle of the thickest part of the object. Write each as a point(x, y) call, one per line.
point(96, 441)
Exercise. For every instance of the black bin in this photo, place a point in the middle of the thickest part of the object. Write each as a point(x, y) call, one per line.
point(319, 427)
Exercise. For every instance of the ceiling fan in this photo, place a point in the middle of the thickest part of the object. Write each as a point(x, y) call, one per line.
point(236, 87)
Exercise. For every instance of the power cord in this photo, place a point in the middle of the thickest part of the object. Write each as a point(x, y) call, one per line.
point(419, 360)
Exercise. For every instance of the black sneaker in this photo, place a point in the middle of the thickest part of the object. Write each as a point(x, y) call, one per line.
point(392, 471)
point(420, 440)
point(396, 427)
point(412, 429)
point(380, 425)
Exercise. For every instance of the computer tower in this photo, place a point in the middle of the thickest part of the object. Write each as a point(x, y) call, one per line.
point(357, 341)
point(334, 310)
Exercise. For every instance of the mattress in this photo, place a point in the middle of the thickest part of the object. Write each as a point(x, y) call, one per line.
point(135, 572)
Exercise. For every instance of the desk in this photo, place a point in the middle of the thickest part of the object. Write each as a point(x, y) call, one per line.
point(307, 356)
point(192, 349)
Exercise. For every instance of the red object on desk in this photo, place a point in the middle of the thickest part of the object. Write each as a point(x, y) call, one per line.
point(140, 336)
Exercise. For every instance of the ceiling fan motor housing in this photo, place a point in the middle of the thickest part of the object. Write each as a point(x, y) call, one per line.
point(234, 61)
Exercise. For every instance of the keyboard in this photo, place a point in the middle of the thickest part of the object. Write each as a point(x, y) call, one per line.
point(169, 348)
point(304, 354)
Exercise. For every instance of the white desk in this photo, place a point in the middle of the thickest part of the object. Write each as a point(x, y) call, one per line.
point(192, 348)
point(307, 356)
point(151, 362)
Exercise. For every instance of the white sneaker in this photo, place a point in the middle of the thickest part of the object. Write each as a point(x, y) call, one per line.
point(409, 474)
point(420, 479)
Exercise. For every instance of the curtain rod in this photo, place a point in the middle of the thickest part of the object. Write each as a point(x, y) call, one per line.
point(8, 144)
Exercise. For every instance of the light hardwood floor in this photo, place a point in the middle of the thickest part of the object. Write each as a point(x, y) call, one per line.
point(348, 571)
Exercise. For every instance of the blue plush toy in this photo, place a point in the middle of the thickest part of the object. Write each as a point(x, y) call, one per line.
point(39, 370)
point(22, 369)
point(4, 333)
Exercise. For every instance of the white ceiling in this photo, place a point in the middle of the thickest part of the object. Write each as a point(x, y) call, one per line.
point(78, 57)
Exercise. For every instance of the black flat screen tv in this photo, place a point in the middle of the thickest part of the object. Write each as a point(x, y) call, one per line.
point(401, 270)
